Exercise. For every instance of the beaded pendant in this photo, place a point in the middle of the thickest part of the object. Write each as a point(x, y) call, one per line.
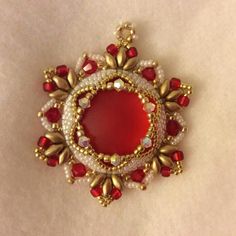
point(113, 121)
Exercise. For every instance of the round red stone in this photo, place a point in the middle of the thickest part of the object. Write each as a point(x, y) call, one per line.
point(137, 175)
point(49, 87)
point(116, 193)
point(96, 191)
point(53, 160)
point(115, 122)
point(173, 127)
point(53, 115)
point(112, 49)
point(177, 156)
point(132, 52)
point(44, 142)
point(175, 83)
point(90, 66)
point(78, 170)
point(165, 171)
point(149, 73)
point(62, 70)
point(183, 100)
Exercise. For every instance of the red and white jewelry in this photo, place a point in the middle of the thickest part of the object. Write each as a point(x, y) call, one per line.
point(113, 121)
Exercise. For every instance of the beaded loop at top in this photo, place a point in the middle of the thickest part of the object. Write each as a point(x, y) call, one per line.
point(125, 33)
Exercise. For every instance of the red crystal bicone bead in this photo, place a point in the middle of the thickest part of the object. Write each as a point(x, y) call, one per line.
point(53, 160)
point(149, 73)
point(90, 66)
point(112, 49)
point(177, 156)
point(110, 124)
point(137, 175)
point(175, 83)
point(96, 191)
point(165, 171)
point(62, 70)
point(49, 87)
point(173, 127)
point(132, 52)
point(183, 100)
point(78, 170)
point(44, 142)
point(53, 115)
point(116, 193)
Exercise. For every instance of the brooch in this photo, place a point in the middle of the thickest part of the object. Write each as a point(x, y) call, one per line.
point(113, 121)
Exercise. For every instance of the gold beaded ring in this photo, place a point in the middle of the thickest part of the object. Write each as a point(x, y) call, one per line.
point(113, 122)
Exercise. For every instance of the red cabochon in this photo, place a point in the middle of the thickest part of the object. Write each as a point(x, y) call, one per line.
point(115, 122)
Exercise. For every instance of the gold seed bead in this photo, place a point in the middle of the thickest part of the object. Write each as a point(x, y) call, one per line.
point(71, 180)
point(40, 114)
point(36, 150)
point(106, 158)
point(143, 187)
point(184, 129)
point(37, 155)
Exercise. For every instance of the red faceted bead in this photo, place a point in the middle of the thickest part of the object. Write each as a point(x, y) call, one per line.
point(132, 52)
point(175, 83)
point(62, 70)
point(53, 160)
point(137, 175)
point(90, 66)
point(149, 73)
point(173, 127)
point(165, 171)
point(112, 49)
point(183, 100)
point(44, 142)
point(49, 87)
point(177, 156)
point(78, 170)
point(96, 191)
point(53, 115)
point(110, 124)
point(116, 193)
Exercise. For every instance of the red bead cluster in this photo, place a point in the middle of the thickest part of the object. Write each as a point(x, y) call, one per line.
point(116, 193)
point(175, 83)
point(49, 86)
point(173, 127)
point(112, 49)
point(175, 156)
point(137, 175)
point(183, 100)
point(62, 70)
point(53, 115)
point(78, 170)
point(97, 191)
point(45, 143)
point(90, 66)
point(165, 171)
point(132, 52)
point(53, 160)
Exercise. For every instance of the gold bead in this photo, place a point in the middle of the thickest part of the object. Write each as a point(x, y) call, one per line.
point(143, 187)
point(70, 181)
point(40, 114)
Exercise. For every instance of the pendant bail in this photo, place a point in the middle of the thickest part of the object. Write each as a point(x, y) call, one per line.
point(125, 33)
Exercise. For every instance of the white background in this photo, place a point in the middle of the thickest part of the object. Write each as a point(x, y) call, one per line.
point(193, 40)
